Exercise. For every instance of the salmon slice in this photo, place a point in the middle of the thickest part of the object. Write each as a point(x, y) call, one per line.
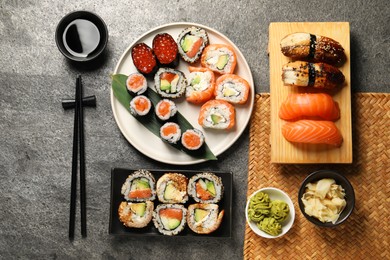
point(140, 194)
point(195, 48)
point(202, 193)
point(172, 213)
point(310, 106)
point(141, 104)
point(312, 132)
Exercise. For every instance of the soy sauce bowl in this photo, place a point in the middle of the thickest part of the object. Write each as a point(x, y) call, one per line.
point(94, 22)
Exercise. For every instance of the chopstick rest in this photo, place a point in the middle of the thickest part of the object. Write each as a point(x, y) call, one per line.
point(78, 152)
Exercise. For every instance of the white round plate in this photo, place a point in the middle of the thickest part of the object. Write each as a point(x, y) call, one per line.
point(149, 144)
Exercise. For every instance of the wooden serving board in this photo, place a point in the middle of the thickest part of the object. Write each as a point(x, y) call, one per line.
point(283, 151)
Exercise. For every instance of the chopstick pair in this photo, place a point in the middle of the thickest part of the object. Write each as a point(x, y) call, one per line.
point(78, 153)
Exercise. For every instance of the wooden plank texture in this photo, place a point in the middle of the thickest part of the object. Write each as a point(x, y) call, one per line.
point(283, 151)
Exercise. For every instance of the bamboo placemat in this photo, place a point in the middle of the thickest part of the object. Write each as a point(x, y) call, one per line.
point(365, 234)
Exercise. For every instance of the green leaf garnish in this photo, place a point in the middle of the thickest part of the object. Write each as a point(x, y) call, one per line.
point(150, 121)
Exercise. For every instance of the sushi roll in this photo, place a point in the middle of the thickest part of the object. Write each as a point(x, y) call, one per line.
point(139, 186)
point(136, 214)
point(170, 132)
point(192, 139)
point(205, 188)
point(144, 59)
point(204, 218)
point(232, 88)
point(200, 88)
point(166, 51)
point(136, 84)
point(140, 106)
point(191, 42)
point(170, 219)
point(172, 188)
point(165, 109)
point(217, 114)
point(220, 58)
point(170, 83)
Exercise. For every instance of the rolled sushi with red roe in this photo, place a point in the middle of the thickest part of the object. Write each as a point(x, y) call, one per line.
point(170, 132)
point(205, 187)
point(166, 51)
point(136, 84)
point(140, 106)
point(170, 83)
point(170, 219)
point(165, 109)
point(139, 186)
point(144, 59)
point(192, 139)
point(191, 42)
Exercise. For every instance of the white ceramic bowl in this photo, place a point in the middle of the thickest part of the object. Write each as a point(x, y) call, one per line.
point(274, 194)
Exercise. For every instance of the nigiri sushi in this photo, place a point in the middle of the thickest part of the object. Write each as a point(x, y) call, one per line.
point(201, 82)
point(312, 132)
point(309, 105)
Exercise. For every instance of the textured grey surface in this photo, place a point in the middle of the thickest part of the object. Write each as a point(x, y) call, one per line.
point(36, 133)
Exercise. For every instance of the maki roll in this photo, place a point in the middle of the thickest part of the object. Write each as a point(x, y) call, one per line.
point(136, 214)
point(170, 219)
point(165, 49)
point(170, 83)
point(220, 58)
point(232, 88)
point(191, 42)
point(200, 88)
point(204, 218)
point(140, 106)
point(139, 186)
point(205, 188)
point(144, 59)
point(136, 84)
point(170, 132)
point(217, 114)
point(192, 139)
point(172, 188)
point(165, 109)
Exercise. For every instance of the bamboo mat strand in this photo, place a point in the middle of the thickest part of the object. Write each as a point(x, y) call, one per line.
point(365, 235)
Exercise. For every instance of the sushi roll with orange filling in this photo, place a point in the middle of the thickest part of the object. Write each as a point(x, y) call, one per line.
point(139, 186)
point(232, 88)
point(170, 83)
point(201, 82)
point(191, 42)
point(136, 84)
point(170, 219)
point(140, 106)
point(135, 214)
point(165, 109)
point(192, 139)
point(217, 114)
point(205, 188)
point(170, 132)
point(220, 58)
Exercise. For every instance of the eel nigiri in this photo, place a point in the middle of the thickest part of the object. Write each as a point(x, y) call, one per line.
point(316, 75)
point(311, 47)
point(312, 132)
point(309, 105)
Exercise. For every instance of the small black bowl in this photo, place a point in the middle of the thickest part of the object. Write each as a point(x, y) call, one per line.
point(85, 15)
point(340, 180)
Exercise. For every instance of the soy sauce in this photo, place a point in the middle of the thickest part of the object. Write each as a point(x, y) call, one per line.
point(81, 37)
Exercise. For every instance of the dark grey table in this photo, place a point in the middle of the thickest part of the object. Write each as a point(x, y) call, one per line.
point(36, 133)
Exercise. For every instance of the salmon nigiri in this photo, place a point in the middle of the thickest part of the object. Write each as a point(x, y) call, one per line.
point(312, 132)
point(309, 105)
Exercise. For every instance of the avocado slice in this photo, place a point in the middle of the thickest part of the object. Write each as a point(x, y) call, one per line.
point(222, 61)
point(165, 85)
point(170, 223)
point(141, 184)
point(216, 118)
point(200, 214)
point(138, 208)
point(211, 187)
point(195, 80)
point(170, 192)
point(230, 92)
point(186, 43)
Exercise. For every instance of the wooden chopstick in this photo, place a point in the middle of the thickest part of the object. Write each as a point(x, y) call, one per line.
point(82, 163)
point(73, 188)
